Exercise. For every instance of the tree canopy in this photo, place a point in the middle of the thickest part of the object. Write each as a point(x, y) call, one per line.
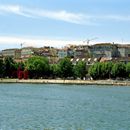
point(37, 66)
point(65, 68)
point(80, 70)
point(119, 70)
point(1, 68)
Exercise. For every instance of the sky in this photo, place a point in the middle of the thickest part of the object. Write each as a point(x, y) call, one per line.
point(60, 22)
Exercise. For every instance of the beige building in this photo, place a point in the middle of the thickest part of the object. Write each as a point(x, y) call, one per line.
point(27, 52)
point(124, 50)
point(81, 51)
point(48, 52)
point(14, 53)
point(1, 55)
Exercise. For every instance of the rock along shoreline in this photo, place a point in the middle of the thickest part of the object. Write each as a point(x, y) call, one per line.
point(59, 81)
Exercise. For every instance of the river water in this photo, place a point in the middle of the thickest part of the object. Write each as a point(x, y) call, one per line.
point(64, 107)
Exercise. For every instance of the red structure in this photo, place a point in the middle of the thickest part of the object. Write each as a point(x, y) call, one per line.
point(22, 74)
point(25, 74)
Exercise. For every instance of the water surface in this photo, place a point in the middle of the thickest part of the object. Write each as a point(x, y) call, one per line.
point(64, 107)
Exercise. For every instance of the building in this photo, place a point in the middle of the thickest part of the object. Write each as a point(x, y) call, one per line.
point(14, 53)
point(1, 55)
point(9, 52)
point(124, 50)
point(54, 55)
point(27, 52)
point(88, 61)
point(62, 53)
point(43, 51)
point(104, 50)
point(81, 51)
point(49, 52)
point(65, 52)
point(18, 54)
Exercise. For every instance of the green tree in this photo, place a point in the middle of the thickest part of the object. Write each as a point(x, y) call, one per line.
point(80, 69)
point(95, 71)
point(9, 66)
point(1, 68)
point(106, 68)
point(65, 68)
point(54, 70)
point(119, 70)
point(101, 70)
point(38, 67)
point(128, 69)
point(21, 65)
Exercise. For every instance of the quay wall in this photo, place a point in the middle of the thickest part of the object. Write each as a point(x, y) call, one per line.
point(59, 81)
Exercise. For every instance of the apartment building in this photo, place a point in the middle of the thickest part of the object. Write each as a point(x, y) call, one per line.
point(27, 52)
point(14, 53)
point(124, 50)
point(65, 52)
point(104, 50)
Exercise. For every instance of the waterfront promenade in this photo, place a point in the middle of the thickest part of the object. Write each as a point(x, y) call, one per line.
point(59, 81)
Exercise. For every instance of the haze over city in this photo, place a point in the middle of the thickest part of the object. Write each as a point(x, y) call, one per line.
point(57, 23)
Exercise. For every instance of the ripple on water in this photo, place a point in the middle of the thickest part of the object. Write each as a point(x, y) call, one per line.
point(63, 107)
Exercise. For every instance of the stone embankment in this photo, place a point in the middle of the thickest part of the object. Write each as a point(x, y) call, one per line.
point(58, 81)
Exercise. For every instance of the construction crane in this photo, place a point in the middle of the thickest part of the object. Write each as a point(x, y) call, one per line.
point(21, 44)
point(88, 40)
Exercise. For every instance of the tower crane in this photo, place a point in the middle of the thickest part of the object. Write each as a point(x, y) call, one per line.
point(21, 44)
point(88, 40)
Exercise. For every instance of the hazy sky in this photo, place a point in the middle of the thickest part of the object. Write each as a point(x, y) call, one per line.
point(60, 22)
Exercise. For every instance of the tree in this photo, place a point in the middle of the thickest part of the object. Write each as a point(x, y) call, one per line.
point(1, 68)
point(25, 74)
point(21, 65)
point(101, 70)
point(37, 67)
point(95, 71)
point(106, 68)
point(10, 66)
point(65, 68)
point(54, 70)
point(119, 70)
point(128, 69)
point(80, 69)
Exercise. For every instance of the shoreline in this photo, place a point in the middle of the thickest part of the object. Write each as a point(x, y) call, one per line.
point(60, 81)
